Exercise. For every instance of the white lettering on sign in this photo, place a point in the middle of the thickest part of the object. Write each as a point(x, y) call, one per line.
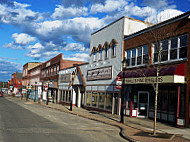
point(150, 80)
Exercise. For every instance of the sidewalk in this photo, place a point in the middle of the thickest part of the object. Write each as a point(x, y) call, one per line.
point(134, 129)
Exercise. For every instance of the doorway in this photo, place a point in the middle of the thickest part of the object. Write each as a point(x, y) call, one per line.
point(143, 103)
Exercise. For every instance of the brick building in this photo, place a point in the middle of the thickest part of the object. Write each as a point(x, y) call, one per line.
point(169, 39)
point(50, 72)
point(15, 84)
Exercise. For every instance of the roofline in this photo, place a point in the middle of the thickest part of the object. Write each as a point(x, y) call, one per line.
point(74, 66)
point(30, 62)
point(164, 23)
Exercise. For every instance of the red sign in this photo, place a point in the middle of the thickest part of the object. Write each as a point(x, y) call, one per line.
point(46, 88)
point(118, 82)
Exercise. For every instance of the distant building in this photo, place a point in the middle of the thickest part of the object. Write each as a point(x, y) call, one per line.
point(15, 84)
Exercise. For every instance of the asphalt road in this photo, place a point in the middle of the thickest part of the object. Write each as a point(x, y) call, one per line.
point(26, 122)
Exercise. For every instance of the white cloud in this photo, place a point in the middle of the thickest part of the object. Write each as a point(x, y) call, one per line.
point(78, 57)
point(23, 38)
point(163, 15)
point(159, 4)
point(109, 6)
point(62, 13)
point(75, 47)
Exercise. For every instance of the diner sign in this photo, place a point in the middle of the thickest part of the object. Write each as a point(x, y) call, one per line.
point(150, 80)
point(99, 73)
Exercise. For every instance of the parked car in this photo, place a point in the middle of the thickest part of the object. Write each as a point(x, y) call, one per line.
point(1, 94)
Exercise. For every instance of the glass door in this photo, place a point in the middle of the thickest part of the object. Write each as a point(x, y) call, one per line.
point(143, 103)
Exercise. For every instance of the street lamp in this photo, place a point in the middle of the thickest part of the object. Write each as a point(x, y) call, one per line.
point(124, 64)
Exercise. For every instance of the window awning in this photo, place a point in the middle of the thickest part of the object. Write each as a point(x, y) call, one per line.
point(167, 74)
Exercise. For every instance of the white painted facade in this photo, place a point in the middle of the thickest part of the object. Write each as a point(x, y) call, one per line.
point(114, 31)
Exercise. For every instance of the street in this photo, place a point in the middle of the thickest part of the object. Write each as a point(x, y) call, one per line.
point(26, 122)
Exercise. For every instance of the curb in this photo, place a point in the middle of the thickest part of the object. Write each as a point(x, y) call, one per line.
point(122, 134)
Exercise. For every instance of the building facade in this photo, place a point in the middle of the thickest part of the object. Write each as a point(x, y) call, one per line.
point(15, 84)
point(49, 75)
point(93, 84)
point(163, 49)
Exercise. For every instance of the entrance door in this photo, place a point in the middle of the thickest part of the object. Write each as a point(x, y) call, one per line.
point(143, 103)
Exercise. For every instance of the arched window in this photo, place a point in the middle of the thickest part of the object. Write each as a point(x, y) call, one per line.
point(99, 52)
point(113, 46)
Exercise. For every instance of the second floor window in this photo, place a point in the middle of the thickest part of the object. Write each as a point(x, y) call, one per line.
point(171, 49)
point(114, 50)
point(100, 55)
point(107, 52)
point(94, 55)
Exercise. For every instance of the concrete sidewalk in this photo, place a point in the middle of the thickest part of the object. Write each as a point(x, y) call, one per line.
point(134, 129)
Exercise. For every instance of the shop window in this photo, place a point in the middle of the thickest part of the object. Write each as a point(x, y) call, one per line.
point(88, 98)
point(101, 100)
point(109, 97)
point(182, 102)
point(63, 94)
point(66, 96)
point(94, 99)
point(69, 95)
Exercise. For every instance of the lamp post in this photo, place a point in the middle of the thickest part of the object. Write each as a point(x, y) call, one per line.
point(47, 98)
point(124, 64)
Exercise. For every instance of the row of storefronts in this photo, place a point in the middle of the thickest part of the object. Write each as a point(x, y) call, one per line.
point(128, 41)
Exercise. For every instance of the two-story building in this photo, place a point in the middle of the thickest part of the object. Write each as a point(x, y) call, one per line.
point(93, 84)
point(163, 49)
point(49, 75)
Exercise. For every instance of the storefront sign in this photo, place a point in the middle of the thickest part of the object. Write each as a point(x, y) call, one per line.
point(65, 78)
point(99, 73)
point(118, 82)
point(150, 80)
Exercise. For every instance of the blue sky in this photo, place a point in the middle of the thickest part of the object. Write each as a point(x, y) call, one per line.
point(37, 30)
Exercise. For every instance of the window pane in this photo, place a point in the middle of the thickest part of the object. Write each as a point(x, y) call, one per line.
point(88, 98)
point(133, 61)
point(109, 97)
point(164, 56)
point(133, 53)
point(128, 62)
point(139, 60)
point(165, 45)
point(173, 54)
point(94, 99)
point(183, 40)
point(145, 52)
point(145, 59)
point(101, 100)
point(174, 42)
point(139, 51)
point(155, 57)
point(128, 54)
point(183, 52)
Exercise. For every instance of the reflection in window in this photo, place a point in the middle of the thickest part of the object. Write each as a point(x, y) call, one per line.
point(88, 98)
point(109, 97)
point(101, 100)
point(145, 54)
point(133, 57)
point(94, 99)
point(139, 55)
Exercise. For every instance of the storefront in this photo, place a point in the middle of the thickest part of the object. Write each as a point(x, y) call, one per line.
point(140, 93)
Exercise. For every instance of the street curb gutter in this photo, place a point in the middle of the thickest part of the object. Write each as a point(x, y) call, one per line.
point(122, 134)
